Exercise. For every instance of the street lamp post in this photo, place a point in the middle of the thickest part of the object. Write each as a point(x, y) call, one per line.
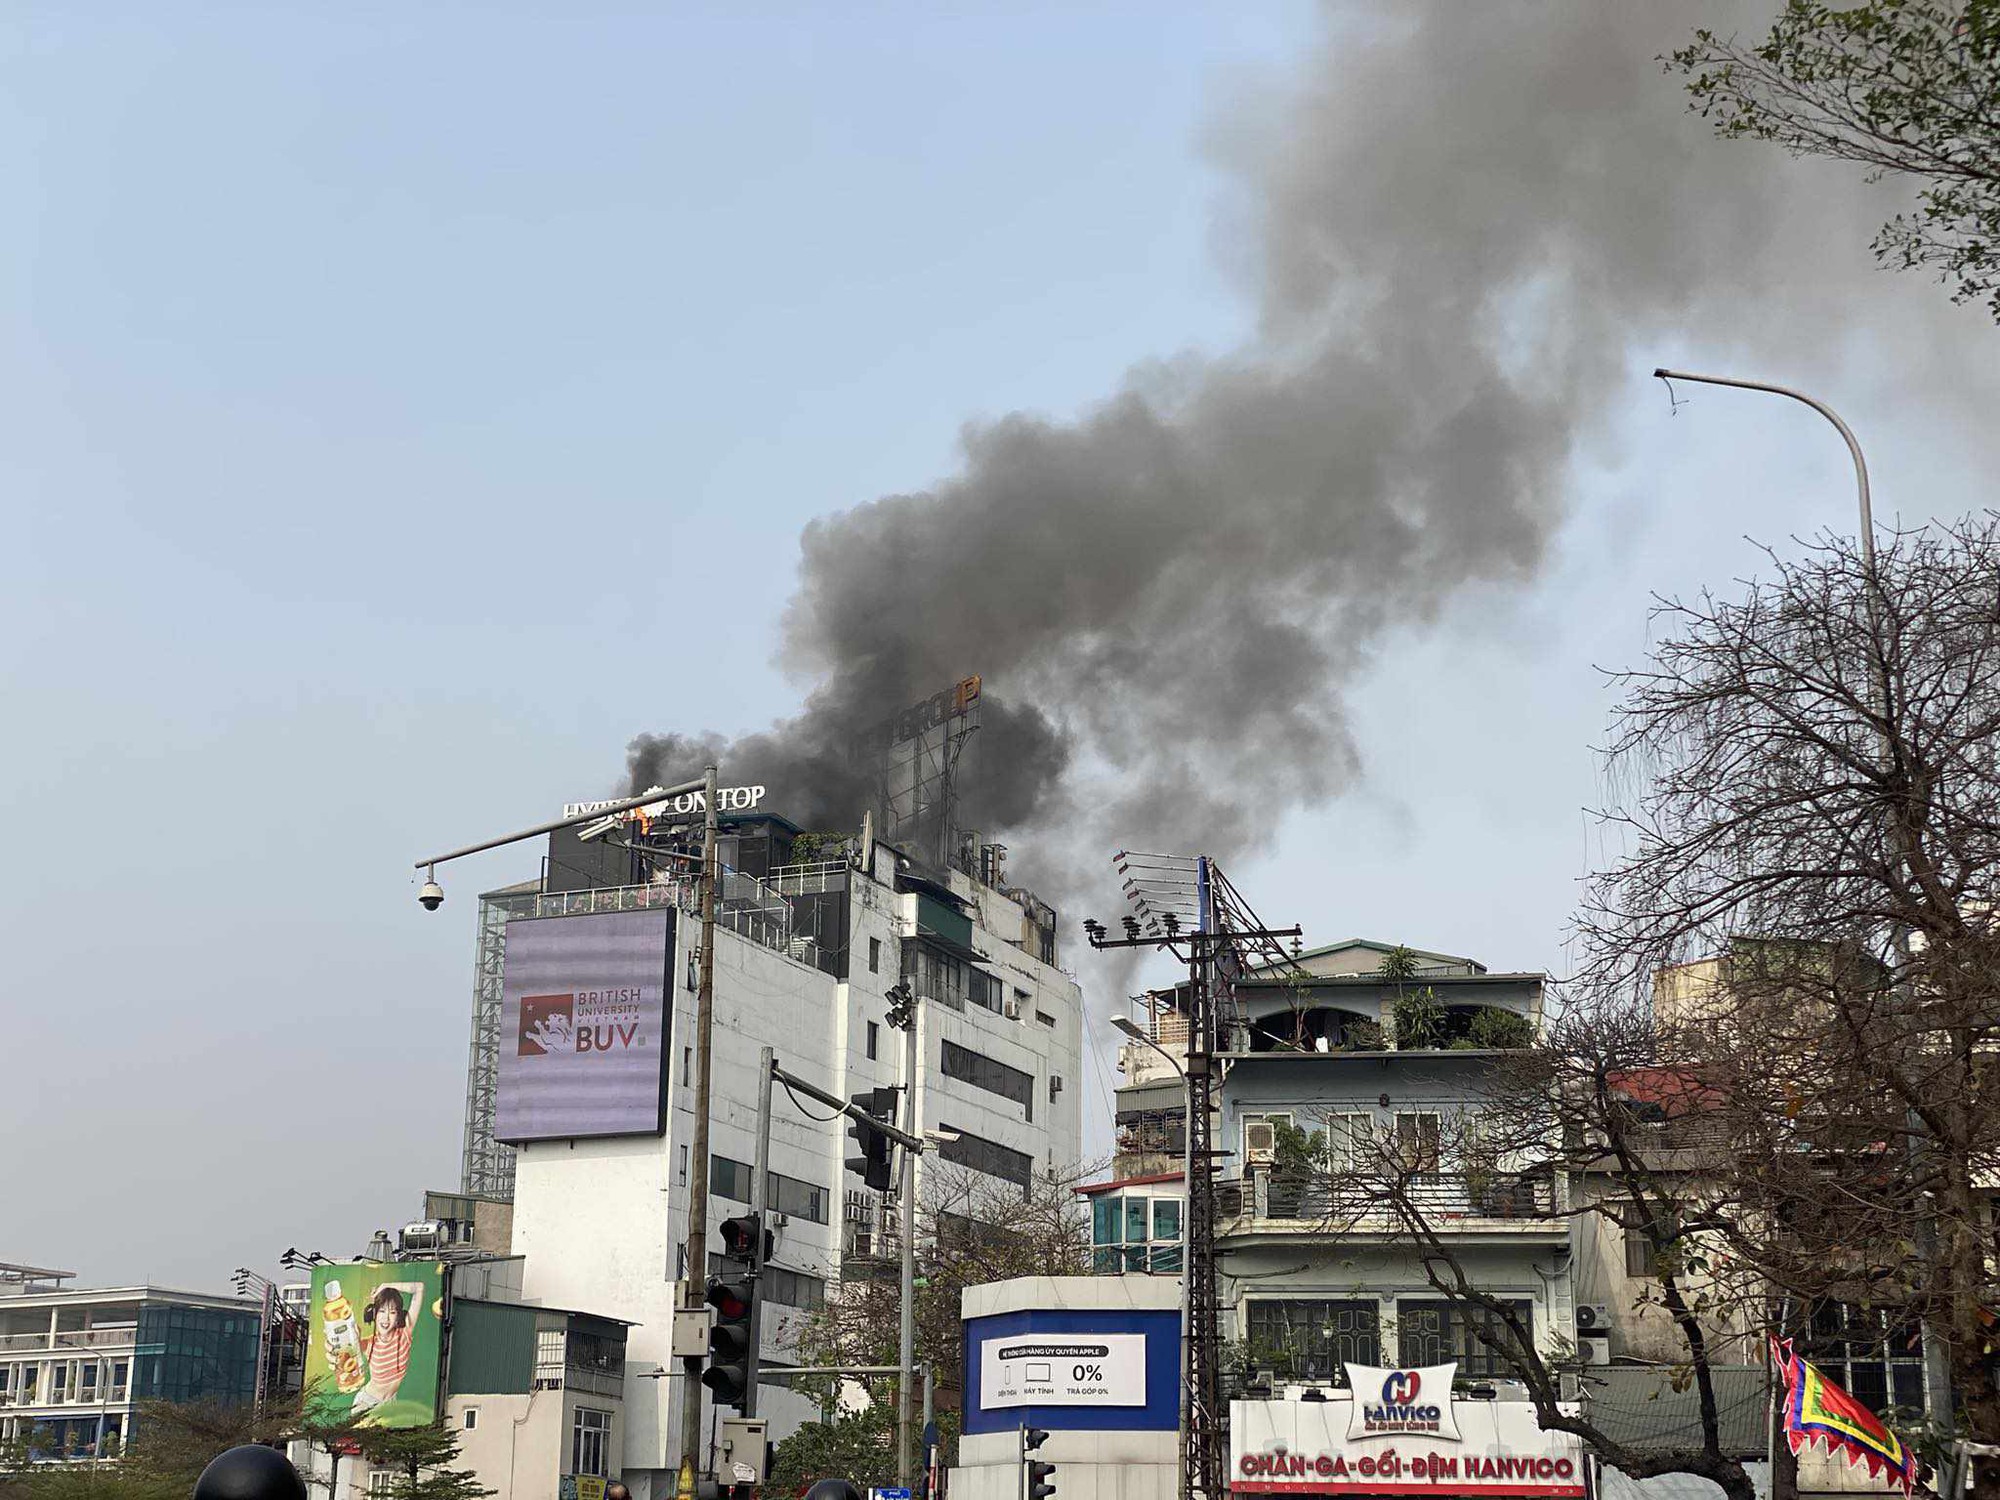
point(1130, 1029)
point(1846, 432)
point(1873, 584)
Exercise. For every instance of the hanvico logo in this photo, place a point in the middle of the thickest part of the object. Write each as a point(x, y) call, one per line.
point(1415, 1401)
point(581, 1021)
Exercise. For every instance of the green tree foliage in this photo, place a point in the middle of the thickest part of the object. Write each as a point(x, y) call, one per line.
point(173, 1443)
point(854, 1445)
point(1500, 1030)
point(1420, 1019)
point(1901, 86)
point(1399, 963)
point(422, 1460)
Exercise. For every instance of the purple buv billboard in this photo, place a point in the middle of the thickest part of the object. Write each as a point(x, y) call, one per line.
point(583, 1025)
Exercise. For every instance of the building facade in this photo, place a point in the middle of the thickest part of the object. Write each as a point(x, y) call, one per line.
point(807, 952)
point(534, 1394)
point(75, 1363)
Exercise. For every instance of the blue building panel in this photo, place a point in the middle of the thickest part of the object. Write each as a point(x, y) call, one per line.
point(1161, 1411)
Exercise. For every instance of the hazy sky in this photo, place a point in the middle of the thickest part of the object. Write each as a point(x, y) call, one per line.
point(404, 407)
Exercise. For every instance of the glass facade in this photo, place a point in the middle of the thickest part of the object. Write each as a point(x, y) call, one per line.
point(195, 1354)
point(1135, 1232)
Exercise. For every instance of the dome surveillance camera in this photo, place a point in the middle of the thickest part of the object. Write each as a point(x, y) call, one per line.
point(431, 896)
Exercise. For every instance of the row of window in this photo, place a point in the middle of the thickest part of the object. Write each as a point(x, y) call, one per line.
point(987, 1073)
point(990, 1157)
point(45, 1383)
point(790, 1288)
point(951, 981)
point(1311, 1338)
point(782, 1194)
point(1414, 1137)
point(1134, 1234)
point(67, 1437)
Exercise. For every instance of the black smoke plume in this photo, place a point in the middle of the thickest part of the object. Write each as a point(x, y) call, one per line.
point(1467, 228)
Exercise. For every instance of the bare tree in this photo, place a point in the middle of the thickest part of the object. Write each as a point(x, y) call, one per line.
point(1563, 1131)
point(971, 1229)
point(1816, 799)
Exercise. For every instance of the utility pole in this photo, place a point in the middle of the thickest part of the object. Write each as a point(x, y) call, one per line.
point(697, 1239)
point(1222, 932)
point(906, 1345)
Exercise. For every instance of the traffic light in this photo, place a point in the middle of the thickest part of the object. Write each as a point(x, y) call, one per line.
point(734, 1296)
point(739, 1236)
point(1041, 1476)
point(872, 1165)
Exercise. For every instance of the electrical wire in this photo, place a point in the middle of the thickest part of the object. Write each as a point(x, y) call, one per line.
point(821, 1119)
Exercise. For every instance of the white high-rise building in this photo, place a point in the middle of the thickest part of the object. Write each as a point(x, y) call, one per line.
point(809, 942)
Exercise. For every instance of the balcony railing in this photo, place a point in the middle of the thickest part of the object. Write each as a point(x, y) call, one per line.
point(1447, 1201)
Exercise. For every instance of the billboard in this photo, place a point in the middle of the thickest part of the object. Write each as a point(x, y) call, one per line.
point(583, 1025)
point(1402, 1432)
point(375, 1343)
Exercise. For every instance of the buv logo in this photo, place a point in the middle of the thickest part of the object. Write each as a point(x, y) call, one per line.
point(548, 1024)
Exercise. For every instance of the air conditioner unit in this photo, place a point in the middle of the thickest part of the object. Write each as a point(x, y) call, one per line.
point(1011, 1009)
point(1596, 1351)
point(1593, 1319)
point(1260, 1140)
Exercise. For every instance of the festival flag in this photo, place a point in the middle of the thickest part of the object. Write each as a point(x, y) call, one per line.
point(1819, 1411)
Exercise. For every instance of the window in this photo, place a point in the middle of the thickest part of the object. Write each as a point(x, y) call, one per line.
point(120, 1378)
point(1876, 1353)
point(874, 958)
point(59, 1381)
point(874, 1039)
point(87, 1388)
point(683, 1170)
point(550, 1355)
point(687, 1066)
point(471, 1418)
point(1134, 1233)
point(1434, 1333)
point(1045, 1018)
point(996, 1077)
point(590, 1440)
point(990, 1157)
point(380, 1481)
point(951, 981)
point(782, 1194)
point(1302, 1336)
point(1417, 1137)
point(1641, 1258)
point(1350, 1141)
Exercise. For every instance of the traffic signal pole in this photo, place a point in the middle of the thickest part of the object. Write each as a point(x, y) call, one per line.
point(760, 1176)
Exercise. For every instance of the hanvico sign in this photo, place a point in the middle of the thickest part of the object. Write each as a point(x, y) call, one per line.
point(727, 799)
point(1399, 1432)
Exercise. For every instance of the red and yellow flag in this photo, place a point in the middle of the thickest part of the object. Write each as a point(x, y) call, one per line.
point(1819, 1411)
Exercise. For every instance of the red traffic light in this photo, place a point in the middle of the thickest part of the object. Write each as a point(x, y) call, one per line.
point(739, 1238)
point(730, 1299)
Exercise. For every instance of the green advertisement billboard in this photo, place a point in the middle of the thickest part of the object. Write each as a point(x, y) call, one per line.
point(376, 1342)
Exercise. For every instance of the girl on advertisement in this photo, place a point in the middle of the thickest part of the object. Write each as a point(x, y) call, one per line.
point(386, 1327)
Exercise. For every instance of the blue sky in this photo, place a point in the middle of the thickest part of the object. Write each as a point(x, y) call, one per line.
point(406, 406)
